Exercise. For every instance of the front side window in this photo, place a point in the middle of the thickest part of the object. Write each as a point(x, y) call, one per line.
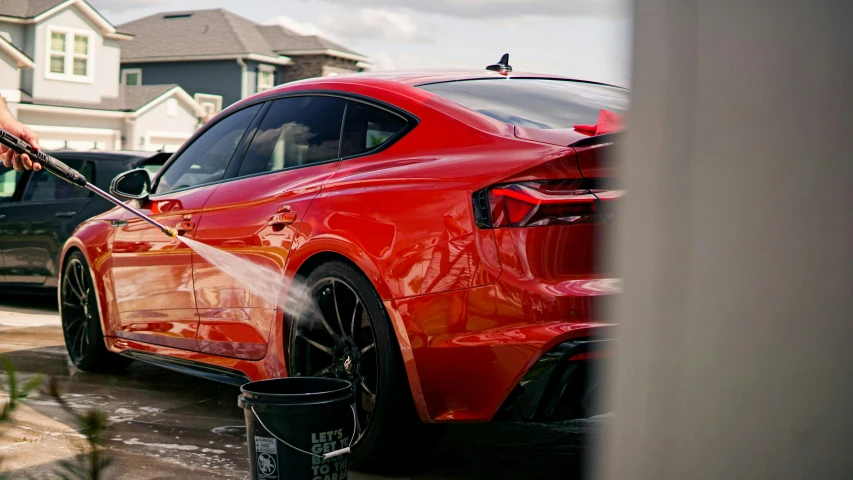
point(45, 187)
point(296, 131)
point(368, 128)
point(70, 55)
point(207, 158)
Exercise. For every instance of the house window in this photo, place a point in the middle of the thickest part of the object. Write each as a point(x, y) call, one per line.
point(211, 104)
point(131, 77)
point(71, 55)
point(265, 79)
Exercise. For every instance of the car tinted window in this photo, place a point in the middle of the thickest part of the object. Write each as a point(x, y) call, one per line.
point(296, 131)
point(44, 187)
point(8, 182)
point(535, 103)
point(367, 128)
point(207, 158)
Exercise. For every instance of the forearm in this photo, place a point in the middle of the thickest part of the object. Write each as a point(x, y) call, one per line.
point(5, 114)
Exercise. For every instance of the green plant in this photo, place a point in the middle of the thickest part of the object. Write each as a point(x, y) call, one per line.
point(92, 424)
point(15, 393)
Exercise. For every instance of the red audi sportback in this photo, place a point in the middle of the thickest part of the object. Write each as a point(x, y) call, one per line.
point(444, 224)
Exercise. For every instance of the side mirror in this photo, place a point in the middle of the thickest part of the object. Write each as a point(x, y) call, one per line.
point(132, 185)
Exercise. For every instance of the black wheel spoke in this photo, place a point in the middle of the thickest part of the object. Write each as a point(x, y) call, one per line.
point(79, 343)
point(366, 388)
point(81, 281)
point(319, 346)
point(354, 315)
point(324, 321)
point(364, 351)
point(73, 288)
point(337, 310)
point(72, 322)
point(368, 398)
point(324, 372)
point(73, 305)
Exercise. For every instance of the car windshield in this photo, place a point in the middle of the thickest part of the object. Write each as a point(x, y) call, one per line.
point(535, 103)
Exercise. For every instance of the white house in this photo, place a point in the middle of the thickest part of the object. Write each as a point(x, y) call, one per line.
point(59, 74)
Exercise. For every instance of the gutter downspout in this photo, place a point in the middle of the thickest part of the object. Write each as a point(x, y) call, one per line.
point(244, 78)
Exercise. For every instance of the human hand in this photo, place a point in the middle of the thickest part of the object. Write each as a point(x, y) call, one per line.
point(9, 157)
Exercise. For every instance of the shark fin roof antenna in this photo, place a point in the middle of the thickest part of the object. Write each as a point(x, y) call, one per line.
point(503, 67)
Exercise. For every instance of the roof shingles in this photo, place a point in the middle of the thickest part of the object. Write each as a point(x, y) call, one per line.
point(129, 99)
point(26, 8)
point(213, 32)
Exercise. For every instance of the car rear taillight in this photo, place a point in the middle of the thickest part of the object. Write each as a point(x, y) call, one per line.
point(537, 203)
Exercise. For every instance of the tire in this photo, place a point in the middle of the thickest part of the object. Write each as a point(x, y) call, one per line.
point(386, 432)
point(81, 320)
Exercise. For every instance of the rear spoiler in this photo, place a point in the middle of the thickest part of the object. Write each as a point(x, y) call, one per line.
point(598, 139)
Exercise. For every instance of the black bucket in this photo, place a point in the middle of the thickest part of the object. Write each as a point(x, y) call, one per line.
point(298, 428)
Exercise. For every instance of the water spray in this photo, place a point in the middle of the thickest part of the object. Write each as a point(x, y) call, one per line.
point(73, 177)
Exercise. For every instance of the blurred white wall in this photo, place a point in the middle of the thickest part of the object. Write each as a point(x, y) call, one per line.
point(736, 350)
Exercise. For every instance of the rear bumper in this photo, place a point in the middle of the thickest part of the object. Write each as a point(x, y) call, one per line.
point(467, 351)
point(563, 384)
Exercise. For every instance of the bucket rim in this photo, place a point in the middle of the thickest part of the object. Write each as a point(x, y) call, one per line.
point(345, 385)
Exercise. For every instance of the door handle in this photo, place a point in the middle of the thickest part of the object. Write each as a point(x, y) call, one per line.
point(65, 214)
point(282, 219)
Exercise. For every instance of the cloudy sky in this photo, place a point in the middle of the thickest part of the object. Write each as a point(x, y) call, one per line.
point(587, 39)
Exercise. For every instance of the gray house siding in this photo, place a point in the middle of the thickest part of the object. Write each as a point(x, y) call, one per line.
point(10, 77)
point(17, 34)
point(211, 77)
point(104, 62)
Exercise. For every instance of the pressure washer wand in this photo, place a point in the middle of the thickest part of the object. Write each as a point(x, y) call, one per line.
point(74, 177)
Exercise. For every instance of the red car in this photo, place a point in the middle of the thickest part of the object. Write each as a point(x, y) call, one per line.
point(445, 226)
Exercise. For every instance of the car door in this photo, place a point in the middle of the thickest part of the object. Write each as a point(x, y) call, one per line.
point(254, 216)
point(35, 227)
point(151, 272)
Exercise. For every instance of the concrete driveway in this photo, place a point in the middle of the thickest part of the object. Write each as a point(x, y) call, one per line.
point(166, 425)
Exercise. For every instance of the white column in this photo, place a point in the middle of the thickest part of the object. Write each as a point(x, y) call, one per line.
point(735, 357)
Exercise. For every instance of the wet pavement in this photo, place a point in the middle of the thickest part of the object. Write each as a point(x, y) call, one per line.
point(166, 425)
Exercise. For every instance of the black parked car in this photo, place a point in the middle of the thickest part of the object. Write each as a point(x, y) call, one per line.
point(38, 211)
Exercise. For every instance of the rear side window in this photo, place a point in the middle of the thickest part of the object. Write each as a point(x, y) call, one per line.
point(296, 131)
point(367, 128)
point(534, 103)
point(45, 187)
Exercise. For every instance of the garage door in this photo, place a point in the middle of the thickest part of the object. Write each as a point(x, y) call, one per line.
point(58, 138)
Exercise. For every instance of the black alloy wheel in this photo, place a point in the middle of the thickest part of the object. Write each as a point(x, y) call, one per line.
point(81, 320)
point(338, 327)
point(334, 337)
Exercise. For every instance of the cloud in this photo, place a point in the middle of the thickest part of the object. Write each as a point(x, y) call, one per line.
point(124, 5)
point(383, 61)
point(300, 27)
point(376, 24)
point(505, 8)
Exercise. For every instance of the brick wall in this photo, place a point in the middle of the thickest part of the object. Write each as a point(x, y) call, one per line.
point(308, 66)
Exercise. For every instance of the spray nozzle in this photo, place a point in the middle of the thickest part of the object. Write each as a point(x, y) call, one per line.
point(171, 232)
point(49, 163)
